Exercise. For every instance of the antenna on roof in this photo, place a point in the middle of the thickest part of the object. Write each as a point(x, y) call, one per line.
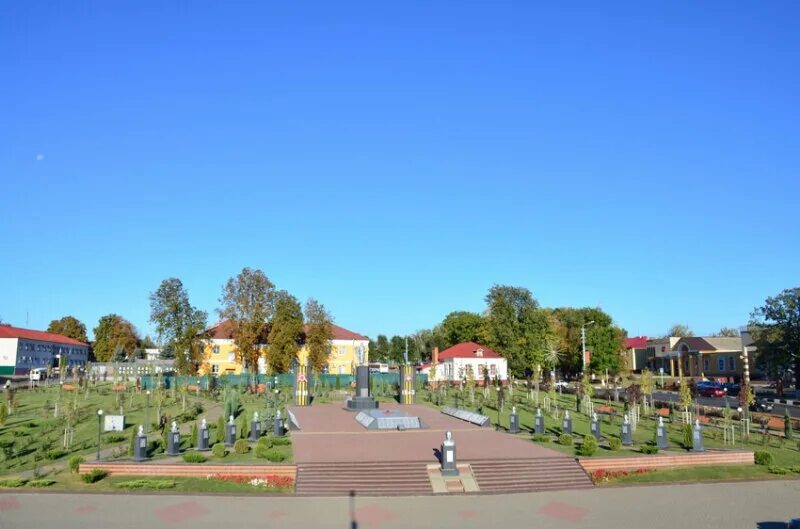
point(26, 320)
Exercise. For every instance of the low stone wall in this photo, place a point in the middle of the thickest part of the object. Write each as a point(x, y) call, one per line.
point(190, 470)
point(590, 464)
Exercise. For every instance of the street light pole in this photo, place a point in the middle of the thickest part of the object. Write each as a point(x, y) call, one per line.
point(583, 345)
point(99, 431)
point(147, 413)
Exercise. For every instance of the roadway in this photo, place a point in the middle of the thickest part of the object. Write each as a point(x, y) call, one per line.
point(719, 402)
point(758, 505)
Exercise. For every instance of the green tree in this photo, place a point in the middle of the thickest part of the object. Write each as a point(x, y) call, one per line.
point(179, 325)
point(114, 335)
point(730, 332)
point(462, 326)
point(248, 303)
point(285, 333)
point(680, 330)
point(381, 350)
point(69, 326)
point(397, 347)
point(603, 338)
point(775, 327)
point(516, 326)
point(319, 333)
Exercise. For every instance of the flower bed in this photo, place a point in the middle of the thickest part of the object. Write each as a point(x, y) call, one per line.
point(270, 481)
point(604, 476)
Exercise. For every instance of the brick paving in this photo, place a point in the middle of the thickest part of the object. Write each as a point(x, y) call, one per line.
point(331, 434)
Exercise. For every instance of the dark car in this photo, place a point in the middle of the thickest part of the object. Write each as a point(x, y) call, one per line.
point(732, 389)
point(710, 390)
point(761, 405)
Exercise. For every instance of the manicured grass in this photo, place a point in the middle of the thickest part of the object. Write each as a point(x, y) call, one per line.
point(710, 473)
point(786, 453)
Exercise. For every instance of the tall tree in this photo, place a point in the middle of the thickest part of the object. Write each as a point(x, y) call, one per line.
point(516, 326)
point(319, 333)
point(462, 326)
point(114, 337)
point(775, 326)
point(179, 325)
point(397, 347)
point(69, 326)
point(730, 332)
point(680, 330)
point(603, 339)
point(248, 302)
point(285, 333)
point(381, 352)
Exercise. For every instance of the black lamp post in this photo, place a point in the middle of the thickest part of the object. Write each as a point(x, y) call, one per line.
point(498, 406)
point(99, 431)
point(147, 412)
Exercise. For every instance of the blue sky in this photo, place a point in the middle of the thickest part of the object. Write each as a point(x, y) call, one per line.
point(396, 160)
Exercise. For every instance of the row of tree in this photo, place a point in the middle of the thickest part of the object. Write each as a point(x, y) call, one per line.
point(525, 333)
point(262, 318)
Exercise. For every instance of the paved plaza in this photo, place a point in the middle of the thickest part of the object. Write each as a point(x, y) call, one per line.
point(720, 505)
point(329, 433)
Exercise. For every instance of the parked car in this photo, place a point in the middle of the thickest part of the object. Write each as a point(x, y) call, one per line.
point(38, 374)
point(732, 389)
point(710, 390)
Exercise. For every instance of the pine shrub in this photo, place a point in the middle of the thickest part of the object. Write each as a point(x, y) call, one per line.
point(589, 446)
point(241, 446)
point(763, 458)
point(94, 475)
point(614, 443)
point(75, 463)
point(194, 457)
point(219, 450)
point(687, 436)
point(565, 439)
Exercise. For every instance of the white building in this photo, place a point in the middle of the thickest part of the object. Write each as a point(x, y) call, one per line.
point(24, 349)
point(456, 363)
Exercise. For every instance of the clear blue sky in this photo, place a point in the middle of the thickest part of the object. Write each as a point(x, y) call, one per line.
point(394, 161)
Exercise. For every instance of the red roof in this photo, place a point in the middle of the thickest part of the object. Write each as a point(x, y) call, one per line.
point(340, 333)
point(7, 331)
point(468, 350)
point(637, 342)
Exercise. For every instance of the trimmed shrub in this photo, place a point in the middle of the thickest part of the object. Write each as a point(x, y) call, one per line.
point(94, 476)
point(648, 449)
point(219, 450)
point(115, 437)
point(266, 442)
point(12, 482)
point(687, 436)
point(241, 446)
point(158, 484)
point(194, 457)
point(614, 443)
point(778, 470)
point(52, 455)
point(795, 469)
point(589, 446)
point(270, 454)
point(565, 439)
point(75, 463)
point(541, 438)
point(763, 458)
point(41, 483)
point(281, 441)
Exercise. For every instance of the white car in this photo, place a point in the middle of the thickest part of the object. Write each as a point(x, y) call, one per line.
point(562, 384)
point(38, 374)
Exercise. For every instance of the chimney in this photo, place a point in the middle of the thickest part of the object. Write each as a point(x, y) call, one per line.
point(435, 359)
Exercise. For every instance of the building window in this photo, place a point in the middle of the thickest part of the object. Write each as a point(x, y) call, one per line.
point(231, 357)
point(215, 369)
point(493, 371)
point(705, 364)
point(341, 350)
point(731, 363)
point(216, 349)
point(721, 363)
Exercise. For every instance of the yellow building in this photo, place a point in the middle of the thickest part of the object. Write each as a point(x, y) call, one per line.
point(348, 349)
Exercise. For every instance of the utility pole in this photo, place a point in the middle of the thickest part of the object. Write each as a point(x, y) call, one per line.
point(583, 345)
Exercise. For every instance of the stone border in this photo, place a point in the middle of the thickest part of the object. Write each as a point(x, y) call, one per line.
point(189, 470)
point(590, 464)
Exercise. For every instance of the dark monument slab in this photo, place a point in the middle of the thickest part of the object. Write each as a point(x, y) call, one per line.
point(362, 399)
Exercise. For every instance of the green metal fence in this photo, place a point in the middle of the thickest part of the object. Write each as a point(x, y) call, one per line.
point(208, 382)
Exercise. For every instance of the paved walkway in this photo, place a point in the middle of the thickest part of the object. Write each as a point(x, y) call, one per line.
point(330, 434)
point(722, 505)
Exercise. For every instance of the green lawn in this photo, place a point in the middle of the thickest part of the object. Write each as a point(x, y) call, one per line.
point(33, 436)
point(786, 453)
